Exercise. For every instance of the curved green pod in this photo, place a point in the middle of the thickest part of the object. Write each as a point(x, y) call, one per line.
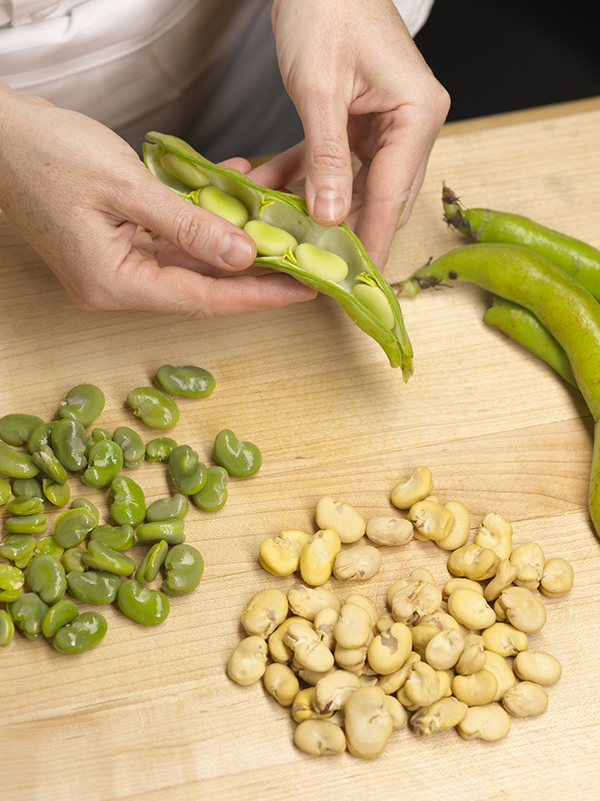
point(289, 212)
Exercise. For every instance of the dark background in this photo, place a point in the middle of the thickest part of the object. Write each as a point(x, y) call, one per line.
point(495, 56)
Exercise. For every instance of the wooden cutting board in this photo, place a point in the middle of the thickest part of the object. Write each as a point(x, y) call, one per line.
point(150, 713)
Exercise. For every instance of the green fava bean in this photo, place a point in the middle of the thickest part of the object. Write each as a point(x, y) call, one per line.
point(93, 586)
point(15, 429)
point(73, 526)
point(69, 442)
point(86, 631)
point(27, 524)
point(100, 557)
point(7, 628)
point(16, 464)
point(42, 435)
point(213, 494)
point(8, 596)
point(83, 404)
point(187, 472)
point(49, 545)
point(105, 461)
point(119, 538)
point(24, 505)
point(59, 615)
point(168, 508)
point(30, 487)
point(56, 494)
point(171, 531)
point(148, 607)
point(46, 460)
point(28, 612)
point(189, 381)
point(4, 491)
point(72, 560)
point(148, 568)
point(46, 577)
point(241, 459)
point(98, 435)
point(225, 205)
point(184, 566)
point(153, 407)
point(187, 173)
point(159, 449)
point(269, 239)
point(129, 505)
point(17, 546)
point(11, 578)
point(84, 503)
point(373, 299)
point(322, 263)
point(132, 445)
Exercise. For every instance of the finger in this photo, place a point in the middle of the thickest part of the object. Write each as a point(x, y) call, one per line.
point(167, 254)
point(237, 163)
point(283, 169)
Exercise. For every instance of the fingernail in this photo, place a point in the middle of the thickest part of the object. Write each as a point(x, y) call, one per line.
point(329, 205)
point(236, 250)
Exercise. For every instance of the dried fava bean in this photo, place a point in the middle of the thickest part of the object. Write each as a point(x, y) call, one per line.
point(278, 650)
point(184, 567)
point(497, 665)
point(17, 546)
point(49, 545)
point(269, 239)
point(46, 460)
point(15, 429)
point(353, 626)
point(470, 609)
point(496, 533)
point(280, 555)
point(7, 628)
point(396, 711)
point(42, 435)
point(83, 633)
point(309, 651)
point(530, 560)
point(247, 663)
point(69, 443)
point(184, 171)
point(93, 586)
point(406, 493)
point(83, 404)
point(265, 611)
point(119, 538)
point(422, 574)
point(422, 685)
point(389, 530)
point(367, 604)
point(341, 518)
point(26, 524)
point(159, 449)
point(538, 667)
point(505, 574)
point(213, 494)
point(457, 583)
point(421, 635)
point(431, 520)
point(16, 464)
point(475, 689)
point(84, 503)
point(31, 487)
point(324, 624)
point(352, 659)
point(557, 578)
point(413, 600)
point(332, 691)
point(28, 612)
point(489, 722)
point(390, 649)
point(444, 649)
point(303, 707)
point(307, 601)
point(153, 407)
point(474, 562)
point(145, 606)
point(222, 203)
point(187, 472)
point(46, 577)
point(4, 491)
point(100, 557)
point(525, 700)
point(241, 459)
point(360, 563)
point(280, 681)
point(504, 639)
point(56, 494)
point(131, 444)
point(59, 615)
point(472, 658)
point(174, 507)
point(172, 531)
point(129, 504)
point(72, 527)
point(72, 560)
point(150, 565)
point(461, 529)
point(439, 716)
point(523, 609)
point(322, 263)
point(188, 381)
point(24, 505)
point(319, 737)
point(105, 461)
point(318, 557)
point(367, 721)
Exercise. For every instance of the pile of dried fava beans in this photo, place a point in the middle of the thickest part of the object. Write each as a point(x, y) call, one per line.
point(84, 557)
point(437, 659)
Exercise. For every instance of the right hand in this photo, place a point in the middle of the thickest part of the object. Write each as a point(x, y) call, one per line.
point(84, 200)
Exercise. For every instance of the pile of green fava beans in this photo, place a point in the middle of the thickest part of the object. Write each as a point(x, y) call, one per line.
point(84, 557)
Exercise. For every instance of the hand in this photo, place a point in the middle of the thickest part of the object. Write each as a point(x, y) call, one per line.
point(83, 199)
point(359, 84)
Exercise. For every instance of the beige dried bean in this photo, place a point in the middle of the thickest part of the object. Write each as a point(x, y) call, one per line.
point(497, 665)
point(281, 683)
point(505, 575)
point(441, 620)
point(530, 560)
point(307, 601)
point(281, 555)
point(456, 584)
point(523, 609)
point(332, 691)
point(303, 708)
point(475, 689)
point(367, 604)
point(352, 659)
point(432, 520)
point(537, 666)
point(473, 562)
point(278, 650)
point(324, 625)
point(320, 738)
point(311, 677)
point(409, 705)
point(368, 723)
point(395, 681)
point(557, 578)
point(248, 661)
point(384, 622)
point(396, 711)
point(525, 700)
point(489, 722)
point(422, 686)
point(422, 574)
point(389, 530)
point(446, 713)
point(418, 486)
point(504, 639)
point(421, 635)
point(318, 557)
point(390, 649)
point(444, 649)
point(470, 609)
point(341, 518)
point(496, 533)
point(415, 599)
point(461, 528)
point(308, 649)
point(353, 627)
point(266, 610)
point(472, 658)
point(361, 563)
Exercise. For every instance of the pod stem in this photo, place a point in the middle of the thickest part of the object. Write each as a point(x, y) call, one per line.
point(455, 214)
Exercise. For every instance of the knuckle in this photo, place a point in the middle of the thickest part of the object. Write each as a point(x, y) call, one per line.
point(193, 233)
point(330, 156)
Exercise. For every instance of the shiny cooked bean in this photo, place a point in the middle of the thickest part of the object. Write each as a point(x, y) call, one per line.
point(50, 546)
point(129, 504)
point(28, 613)
point(16, 464)
point(7, 628)
point(239, 458)
point(15, 429)
point(341, 518)
point(5, 491)
point(188, 381)
point(153, 407)
point(171, 531)
point(84, 503)
point(42, 435)
point(69, 443)
point(56, 494)
point(145, 606)
point(174, 507)
point(132, 446)
point(119, 538)
point(97, 435)
point(59, 615)
point(72, 560)
point(187, 472)
point(184, 566)
point(105, 461)
point(93, 586)
point(159, 449)
point(213, 495)
point(11, 578)
point(17, 546)
point(26, 524)
point(99, 556)
point(150, 565)
point(24, 505)
point(30, 487)
point(46, 577)
point(82, 403)
point(83, 633)
point(72, 527)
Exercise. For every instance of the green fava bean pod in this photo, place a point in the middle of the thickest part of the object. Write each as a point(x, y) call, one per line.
point(28, 612)
point(145, 606)
point(94, 586)
point(119, 538)
point(42, 435)
point(17, 547)
point(27, 524)
point(213, 494)
point(241, 459)
point(289, 213)
point(176, 506)
point(150, 565)
point(171, 531)
point(56, 494)
point(73, 526)
point(153, 407)
point(7, 628)
point(100, 557)
point(16, 464)
point(61, 614)
point(132, 445)
point(30, 487)
point(184, 566)
point(189, 381)
point(159, 449)
point(11, 578)
point(105, 461)
point(15, 429)
point(129, 505)
point(84, 503)
point(72, 560)
point(48, 545)
point(46, 577)
point(187, 472)
point(4, 491)
point(25, 505)
point(86, 631)
point(46, 460)
point(69, 443)
point(83, 404)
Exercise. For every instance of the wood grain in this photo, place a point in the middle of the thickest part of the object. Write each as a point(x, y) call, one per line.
point(150, 713)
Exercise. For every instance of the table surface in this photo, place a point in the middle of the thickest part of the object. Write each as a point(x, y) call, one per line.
point(150, 713)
